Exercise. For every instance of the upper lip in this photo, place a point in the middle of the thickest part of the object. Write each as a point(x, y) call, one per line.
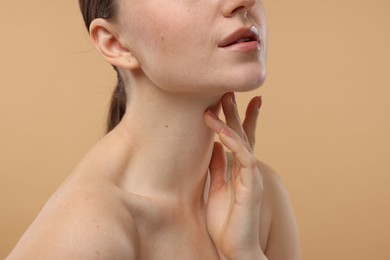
point(251, 33)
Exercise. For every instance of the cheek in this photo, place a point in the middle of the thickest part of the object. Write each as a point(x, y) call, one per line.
point(148, 38)
point(166, 38)
point(166, 28)
point(154, 47)
point(144, 31)
point(167, 43)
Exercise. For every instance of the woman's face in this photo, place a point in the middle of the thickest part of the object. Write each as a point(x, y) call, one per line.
point(191, 45)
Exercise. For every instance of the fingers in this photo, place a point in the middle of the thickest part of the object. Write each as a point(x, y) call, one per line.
point(231, 140)
point(250, 120)
point(231, 115)
point(218, 166)
point(247, 130)
point(240, 139)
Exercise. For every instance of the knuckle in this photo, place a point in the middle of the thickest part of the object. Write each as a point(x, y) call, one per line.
point(252, 137)
point(252, 162)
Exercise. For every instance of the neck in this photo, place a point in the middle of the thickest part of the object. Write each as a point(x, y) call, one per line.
point(170, 144)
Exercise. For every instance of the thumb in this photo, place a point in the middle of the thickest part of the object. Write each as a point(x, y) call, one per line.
point(217, 167)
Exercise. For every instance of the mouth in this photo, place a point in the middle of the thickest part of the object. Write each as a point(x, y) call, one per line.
point(242, 37)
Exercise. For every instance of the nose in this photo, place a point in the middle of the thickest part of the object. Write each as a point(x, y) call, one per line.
point(235, 7)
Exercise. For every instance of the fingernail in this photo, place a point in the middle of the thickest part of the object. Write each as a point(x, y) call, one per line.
point(212, 114)
point(233, 96)
point(260, 102)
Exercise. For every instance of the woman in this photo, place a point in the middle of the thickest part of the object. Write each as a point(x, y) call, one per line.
point(157, 186)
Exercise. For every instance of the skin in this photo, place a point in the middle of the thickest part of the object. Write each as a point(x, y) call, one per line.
point(158, 186)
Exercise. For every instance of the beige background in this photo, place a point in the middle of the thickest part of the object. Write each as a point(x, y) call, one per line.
point(324, 125)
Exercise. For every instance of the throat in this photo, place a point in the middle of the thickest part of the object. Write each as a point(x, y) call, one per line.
point(170, 155)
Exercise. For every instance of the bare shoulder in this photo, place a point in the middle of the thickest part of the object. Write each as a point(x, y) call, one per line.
point(283, 239)
point(80, 223)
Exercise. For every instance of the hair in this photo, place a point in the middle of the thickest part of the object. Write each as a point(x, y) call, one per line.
point(107, 9)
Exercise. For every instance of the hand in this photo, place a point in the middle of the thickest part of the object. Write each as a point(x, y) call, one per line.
point(233, 207)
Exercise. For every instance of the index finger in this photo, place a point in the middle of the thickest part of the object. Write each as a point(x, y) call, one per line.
point(250, 121)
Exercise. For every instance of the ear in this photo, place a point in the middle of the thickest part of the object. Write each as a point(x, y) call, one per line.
point(106, 41)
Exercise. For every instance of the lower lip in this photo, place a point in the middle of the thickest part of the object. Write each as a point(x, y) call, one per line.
point(244, 46)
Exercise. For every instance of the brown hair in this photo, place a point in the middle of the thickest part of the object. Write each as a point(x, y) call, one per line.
point(107, 9)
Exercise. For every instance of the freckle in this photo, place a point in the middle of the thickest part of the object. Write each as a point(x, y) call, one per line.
point(166, 126)
point(162, 38)
point(97, 226)
point(97, 252)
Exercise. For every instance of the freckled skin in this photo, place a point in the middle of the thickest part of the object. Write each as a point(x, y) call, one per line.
point(157, 186)
point(181, 38)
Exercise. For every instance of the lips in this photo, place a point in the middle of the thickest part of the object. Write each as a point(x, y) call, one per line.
point(244, 34)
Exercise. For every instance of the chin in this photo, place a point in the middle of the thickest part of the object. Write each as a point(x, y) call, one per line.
point(246, 81)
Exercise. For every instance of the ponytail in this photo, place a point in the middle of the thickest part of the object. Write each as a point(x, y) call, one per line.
point(107, 9)
point(117, 105)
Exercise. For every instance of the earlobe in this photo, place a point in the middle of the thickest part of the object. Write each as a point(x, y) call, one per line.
point(106, 41)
